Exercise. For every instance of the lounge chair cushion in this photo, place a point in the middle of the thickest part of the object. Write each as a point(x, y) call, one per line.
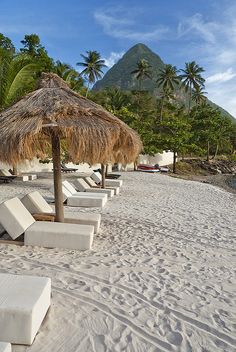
point(97, 177)
point(74, 193)
point(69, 187)
point(5, 347)
point(5, 172)
point(35, 203)
point(24, 304)
point(84, 219)
point(84, 201)
point(111, 183)
point(59, 235)
point(65, 192)
point(82, 186)
point(14, 217)
point(91, 183)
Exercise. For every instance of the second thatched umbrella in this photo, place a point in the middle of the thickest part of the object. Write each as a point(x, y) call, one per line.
point(54, 112)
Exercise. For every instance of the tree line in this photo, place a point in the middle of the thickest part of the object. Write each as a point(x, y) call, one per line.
point(163, 122)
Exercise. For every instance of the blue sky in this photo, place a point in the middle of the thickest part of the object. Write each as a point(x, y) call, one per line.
point(177, 30)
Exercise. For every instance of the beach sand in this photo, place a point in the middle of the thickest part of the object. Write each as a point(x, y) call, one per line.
point(161, 275)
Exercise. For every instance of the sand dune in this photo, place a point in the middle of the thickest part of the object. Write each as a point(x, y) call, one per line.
point(161, 275)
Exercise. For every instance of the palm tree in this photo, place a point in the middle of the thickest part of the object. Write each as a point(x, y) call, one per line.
point(69, 75)
point(116, 98)
point(93, 65)
point(192, 78)
point(17, 77)
point(165, 95)
point(142, 71)
point(198, 95)
point(167, 78)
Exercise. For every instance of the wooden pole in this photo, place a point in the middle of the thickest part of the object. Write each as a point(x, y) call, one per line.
point(56, 157)
point(14, 169)
point(106, 174)
point(103, 167)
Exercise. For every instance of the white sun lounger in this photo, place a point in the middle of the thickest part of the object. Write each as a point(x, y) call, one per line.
point(24, 303)
point(36, 204)
point(6, 173)
point(5, 347)
point(87, 198)
point(82, 186)
point(16, 220)
point(97, 177)
point(81, 200)
point(91, 183)
point(73, 191)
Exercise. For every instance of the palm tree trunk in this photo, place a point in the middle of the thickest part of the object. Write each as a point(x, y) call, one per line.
point(190, 98)
point(87, 90)
point(216, 151)
point(174, 161)
point(208, 151)
point(161, 112)
point(140, 85)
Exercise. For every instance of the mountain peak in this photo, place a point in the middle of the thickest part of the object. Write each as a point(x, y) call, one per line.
point(120, 74)
point(138, 47)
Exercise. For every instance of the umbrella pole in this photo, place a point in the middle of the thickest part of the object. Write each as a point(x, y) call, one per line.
point(103, 167)
point(56, 157)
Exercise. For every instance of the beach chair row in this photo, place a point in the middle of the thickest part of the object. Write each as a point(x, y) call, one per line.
point(34, 217)
point(26, 299)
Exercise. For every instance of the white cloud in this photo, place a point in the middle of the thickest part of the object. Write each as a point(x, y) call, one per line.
point(120, 25)
point(212, 43)
point(196, 24)
point(113, 58)
point(221, 76)
point(223, 95)
point(226, 56)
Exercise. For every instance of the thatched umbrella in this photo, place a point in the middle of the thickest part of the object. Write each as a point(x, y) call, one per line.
point(54, 112)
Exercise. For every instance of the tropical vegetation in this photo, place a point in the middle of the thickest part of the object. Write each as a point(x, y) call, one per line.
point(93, 65)
point(164, 122)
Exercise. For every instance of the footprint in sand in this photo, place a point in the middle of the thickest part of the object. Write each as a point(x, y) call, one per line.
point(175, 338)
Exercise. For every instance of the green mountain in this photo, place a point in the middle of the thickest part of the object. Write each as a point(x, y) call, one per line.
point(120, 75)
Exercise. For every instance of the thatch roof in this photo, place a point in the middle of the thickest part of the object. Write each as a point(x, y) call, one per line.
point(92, 134)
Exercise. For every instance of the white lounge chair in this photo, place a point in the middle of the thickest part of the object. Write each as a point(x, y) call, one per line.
point(6, 173)
point(24, 303)
point(73, 191)
point(97, 177)
point(93, 184)
point(36, 204)
point(82, 186)
point(5, 347)
point(16, 220)
point(81, 200)
point(87, 198)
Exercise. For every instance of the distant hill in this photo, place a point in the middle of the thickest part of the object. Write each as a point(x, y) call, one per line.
point(120, 75)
